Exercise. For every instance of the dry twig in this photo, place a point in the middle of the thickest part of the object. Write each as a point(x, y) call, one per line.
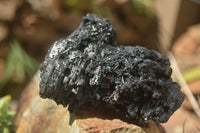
point(184, 85)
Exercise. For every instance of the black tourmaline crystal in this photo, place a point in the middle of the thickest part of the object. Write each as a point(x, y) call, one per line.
point(86, 70)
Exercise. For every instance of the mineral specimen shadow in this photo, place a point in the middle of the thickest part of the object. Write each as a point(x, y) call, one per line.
point(87, 71)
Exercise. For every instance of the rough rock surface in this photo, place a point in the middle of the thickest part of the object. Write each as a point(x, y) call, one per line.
point(88, 71)
point(37, 115)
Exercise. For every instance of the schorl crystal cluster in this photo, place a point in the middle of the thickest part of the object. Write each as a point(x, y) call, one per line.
point(86, 70)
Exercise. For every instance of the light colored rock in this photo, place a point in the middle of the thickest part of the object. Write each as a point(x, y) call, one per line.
point(96, 125)
point(37, 115)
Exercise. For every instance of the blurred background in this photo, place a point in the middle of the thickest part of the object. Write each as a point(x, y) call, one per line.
point(29, 27)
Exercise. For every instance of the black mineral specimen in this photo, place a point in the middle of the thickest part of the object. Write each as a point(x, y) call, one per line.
point(86, 70)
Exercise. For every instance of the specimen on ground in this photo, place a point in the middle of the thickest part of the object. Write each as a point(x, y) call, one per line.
point(87, 70)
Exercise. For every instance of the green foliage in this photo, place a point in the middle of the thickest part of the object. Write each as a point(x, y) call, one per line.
point(144, 6)
point(99, 9)
point(19, 63)
point(6, 116)
point(192, 74)
point(72, 3)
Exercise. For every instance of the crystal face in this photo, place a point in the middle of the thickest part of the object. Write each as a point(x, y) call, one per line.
point(86, 70)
